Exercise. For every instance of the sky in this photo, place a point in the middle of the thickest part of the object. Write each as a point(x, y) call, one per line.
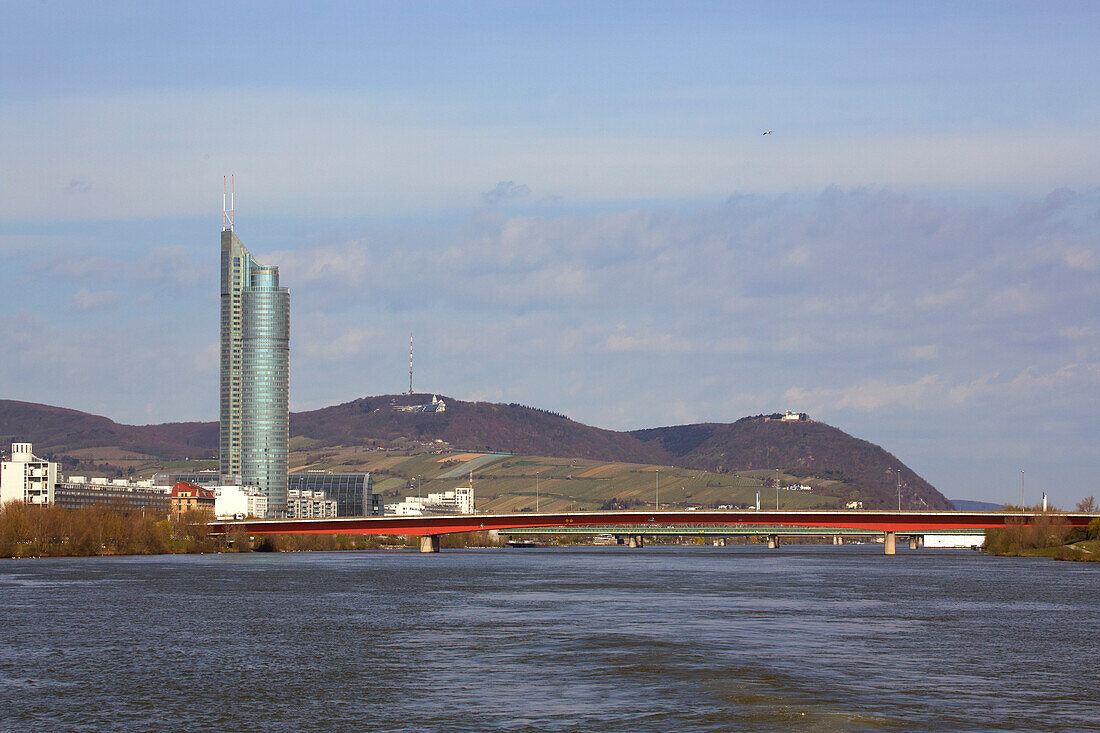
point(573, 206)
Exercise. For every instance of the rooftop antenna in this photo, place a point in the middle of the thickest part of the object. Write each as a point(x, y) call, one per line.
point(410, 363)
point(227, 198)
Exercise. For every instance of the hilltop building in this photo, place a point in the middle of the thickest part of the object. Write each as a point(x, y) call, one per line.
point(26, 477)
point(255, 371)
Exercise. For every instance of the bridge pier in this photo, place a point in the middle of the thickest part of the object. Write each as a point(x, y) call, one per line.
point(912, 542)
point(635, 541)
point(720, 542)
point(838, 539)
point(429, 543)
point(889, 544)
point(773, 541)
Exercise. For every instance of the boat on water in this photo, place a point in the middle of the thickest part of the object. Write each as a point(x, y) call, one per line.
point(525, 543)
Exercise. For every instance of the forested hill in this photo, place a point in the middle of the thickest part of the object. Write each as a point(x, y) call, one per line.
point(801, 447)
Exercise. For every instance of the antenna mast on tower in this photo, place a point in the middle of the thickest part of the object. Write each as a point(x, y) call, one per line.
point(410, 363)
point(227, 204)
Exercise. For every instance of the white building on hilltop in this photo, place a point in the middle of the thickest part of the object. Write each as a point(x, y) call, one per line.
point(26, 477)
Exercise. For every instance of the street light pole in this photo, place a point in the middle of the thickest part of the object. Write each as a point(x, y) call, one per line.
point(899, 489)
point(777, 489)
point(657, 490)
point(536, 492)
point(1021, 490)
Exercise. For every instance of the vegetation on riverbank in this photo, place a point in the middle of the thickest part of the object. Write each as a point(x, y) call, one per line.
point(50, 531)
point(1047, 538)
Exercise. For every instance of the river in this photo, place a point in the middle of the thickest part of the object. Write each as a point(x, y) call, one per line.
point(583, 639)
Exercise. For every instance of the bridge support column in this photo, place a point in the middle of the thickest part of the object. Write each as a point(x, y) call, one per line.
point(429, 543)
point(773, 541)
point(720, 542)
point(889, 544)
point(920, 540)
point(838, 540)
point(635, 541)
point(912, 542)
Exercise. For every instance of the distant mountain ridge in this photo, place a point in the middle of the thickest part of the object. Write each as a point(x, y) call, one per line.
point(805, 446)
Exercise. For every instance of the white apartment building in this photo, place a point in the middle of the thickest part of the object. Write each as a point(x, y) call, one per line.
point(248, 501)
point(26, 477)
point(309, 504)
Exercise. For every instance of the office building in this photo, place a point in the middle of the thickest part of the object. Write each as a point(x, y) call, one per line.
point(26, 477)
point(78, 492)
point(255, 371)
point(239, 501)
point(353, 492)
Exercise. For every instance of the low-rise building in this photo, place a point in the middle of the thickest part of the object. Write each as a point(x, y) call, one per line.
point(187, 497)
point(77, 492)
point(26, 477)
point(458, 501)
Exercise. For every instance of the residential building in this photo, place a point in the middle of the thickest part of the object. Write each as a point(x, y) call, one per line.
point(246, 501)
point(26, 477)
point(309, 504)
point(188, 497)
point(353, 492)
point(255, 371)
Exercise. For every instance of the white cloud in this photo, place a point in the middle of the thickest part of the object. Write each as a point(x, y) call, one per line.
point(86, 300)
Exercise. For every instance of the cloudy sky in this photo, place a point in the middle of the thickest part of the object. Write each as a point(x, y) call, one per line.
point(573, 206)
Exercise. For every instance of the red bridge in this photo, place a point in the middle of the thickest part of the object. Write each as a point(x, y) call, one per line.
point(430, 527)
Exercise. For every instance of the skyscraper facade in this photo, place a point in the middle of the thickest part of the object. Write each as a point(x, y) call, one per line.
point(255, 372)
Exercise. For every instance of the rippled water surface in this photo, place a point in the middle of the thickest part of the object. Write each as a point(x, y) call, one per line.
point(593, 639)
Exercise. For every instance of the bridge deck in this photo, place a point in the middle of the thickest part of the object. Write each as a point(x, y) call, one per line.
point(868, 520)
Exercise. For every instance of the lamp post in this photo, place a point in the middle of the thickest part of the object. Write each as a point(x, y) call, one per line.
point(777, 489)
point(536, 492)
point(657, 489)
point(1021, 490)
point(899, 489)
point(418, 487)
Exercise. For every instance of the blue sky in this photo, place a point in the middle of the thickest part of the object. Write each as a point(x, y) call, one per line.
point(573, 206)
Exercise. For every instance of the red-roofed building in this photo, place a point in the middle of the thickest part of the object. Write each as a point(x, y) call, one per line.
point(187, 497)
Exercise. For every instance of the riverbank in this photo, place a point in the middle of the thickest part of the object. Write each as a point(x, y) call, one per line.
point(101, 530)
point(1046, 539)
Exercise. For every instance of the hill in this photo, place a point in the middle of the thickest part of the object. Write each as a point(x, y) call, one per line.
point(799, 447)
point(802, 449)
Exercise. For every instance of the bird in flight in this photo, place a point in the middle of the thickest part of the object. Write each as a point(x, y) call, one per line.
point(769, 132)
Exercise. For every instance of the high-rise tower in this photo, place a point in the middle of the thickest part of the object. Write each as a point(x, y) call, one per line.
point(255, 370)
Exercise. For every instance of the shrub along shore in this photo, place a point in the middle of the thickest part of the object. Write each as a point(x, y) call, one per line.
point(1046, 538)
point(50, 531)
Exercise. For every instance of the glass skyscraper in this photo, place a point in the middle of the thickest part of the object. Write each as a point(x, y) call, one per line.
point(255, 372)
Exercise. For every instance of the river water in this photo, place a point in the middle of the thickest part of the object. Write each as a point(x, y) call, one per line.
point(586, 639)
